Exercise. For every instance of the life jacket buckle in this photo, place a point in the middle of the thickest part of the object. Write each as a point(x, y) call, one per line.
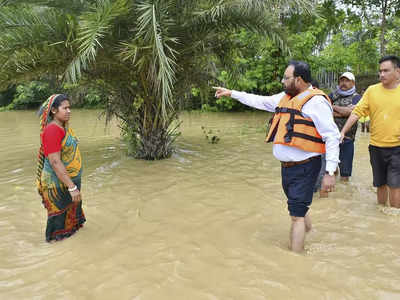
point(288, 138)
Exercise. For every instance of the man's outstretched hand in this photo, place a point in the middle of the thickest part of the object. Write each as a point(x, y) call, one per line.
point(220, 91)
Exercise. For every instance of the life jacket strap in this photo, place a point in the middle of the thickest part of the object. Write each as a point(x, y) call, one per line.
point(304, 122)
point(287, 110)
point(288, 137)
point(290, 126)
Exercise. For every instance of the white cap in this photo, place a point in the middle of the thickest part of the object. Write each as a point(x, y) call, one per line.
point(348, 75)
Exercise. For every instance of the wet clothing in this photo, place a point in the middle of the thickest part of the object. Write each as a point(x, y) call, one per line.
point(321, 174)
point(385, 164)
point(289, 127)
point(298, 181)
point(64, 216)
point(298, 184)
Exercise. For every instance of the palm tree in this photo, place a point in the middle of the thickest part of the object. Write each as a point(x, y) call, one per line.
point(147, 52)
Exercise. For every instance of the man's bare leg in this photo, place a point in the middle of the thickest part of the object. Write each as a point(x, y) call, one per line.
point(323, 194)
point(382, 194)
point(344, 178)
point(394, 197)
point(307, 222)
point(297, 234)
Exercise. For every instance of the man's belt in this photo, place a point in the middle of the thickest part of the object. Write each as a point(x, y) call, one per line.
point(288, 164)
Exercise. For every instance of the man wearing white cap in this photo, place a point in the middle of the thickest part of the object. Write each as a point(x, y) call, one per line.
point(344, 98)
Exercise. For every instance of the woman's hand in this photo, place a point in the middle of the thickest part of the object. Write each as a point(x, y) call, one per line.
point(76, 195)
point(62, 174)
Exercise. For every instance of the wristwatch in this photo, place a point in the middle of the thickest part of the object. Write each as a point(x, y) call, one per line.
point(330, 173)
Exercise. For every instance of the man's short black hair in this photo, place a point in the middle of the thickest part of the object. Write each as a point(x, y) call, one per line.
point(301, 69)
point(315, 84)
point(393, 58)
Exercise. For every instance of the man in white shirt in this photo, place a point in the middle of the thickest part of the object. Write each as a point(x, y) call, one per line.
point(303, 129)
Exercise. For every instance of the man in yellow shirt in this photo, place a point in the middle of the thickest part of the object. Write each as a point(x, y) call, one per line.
point(382, 103)
point(364, 124)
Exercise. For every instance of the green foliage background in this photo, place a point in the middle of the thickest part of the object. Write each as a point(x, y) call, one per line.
point(30, 95)
point(340, 38)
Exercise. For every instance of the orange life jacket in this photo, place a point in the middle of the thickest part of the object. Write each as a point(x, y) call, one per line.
point(290, 128)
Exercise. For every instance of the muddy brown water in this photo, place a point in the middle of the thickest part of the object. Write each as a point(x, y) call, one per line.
point(209, 223)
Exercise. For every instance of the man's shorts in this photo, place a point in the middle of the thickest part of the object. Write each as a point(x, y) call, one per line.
point(298, 184)
point(385, 162)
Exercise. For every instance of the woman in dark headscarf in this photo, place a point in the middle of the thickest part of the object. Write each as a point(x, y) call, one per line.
point(59, 170)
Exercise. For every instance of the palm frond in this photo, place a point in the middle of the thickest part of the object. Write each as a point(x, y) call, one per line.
point(32, 38)
point(152, 34)
point(226, 12)
point(70, 6)
point(23, 27)
point(255, 15)
point(94, 26)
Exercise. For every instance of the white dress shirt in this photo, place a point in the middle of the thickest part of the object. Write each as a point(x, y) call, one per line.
point(318, 109)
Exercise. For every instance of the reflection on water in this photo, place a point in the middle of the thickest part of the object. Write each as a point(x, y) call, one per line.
point(209, 223)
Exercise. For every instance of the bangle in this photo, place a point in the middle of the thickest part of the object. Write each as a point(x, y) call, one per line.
point(72, 189)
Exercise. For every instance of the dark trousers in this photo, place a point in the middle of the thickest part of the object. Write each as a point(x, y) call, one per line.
point(298, 184)
point(346, 155)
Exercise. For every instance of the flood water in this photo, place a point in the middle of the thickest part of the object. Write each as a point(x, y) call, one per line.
point(209, 223)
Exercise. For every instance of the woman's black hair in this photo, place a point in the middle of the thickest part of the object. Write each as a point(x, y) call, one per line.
point(56, 103)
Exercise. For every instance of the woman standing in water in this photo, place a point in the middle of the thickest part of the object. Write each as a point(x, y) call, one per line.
point(59, 170)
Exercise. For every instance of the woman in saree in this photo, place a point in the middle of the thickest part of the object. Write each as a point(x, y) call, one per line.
point(59, 170)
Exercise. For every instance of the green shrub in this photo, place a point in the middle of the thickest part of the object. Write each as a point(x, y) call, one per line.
point(208, 107)
point(7, 96)
point(87, 95)
point(30, 95)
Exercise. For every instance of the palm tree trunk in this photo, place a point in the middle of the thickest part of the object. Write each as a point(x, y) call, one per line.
point(155, 139)
point(384, 8)
point(147, 135)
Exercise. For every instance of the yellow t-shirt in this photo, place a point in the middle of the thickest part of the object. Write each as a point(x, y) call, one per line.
point(383, 107)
